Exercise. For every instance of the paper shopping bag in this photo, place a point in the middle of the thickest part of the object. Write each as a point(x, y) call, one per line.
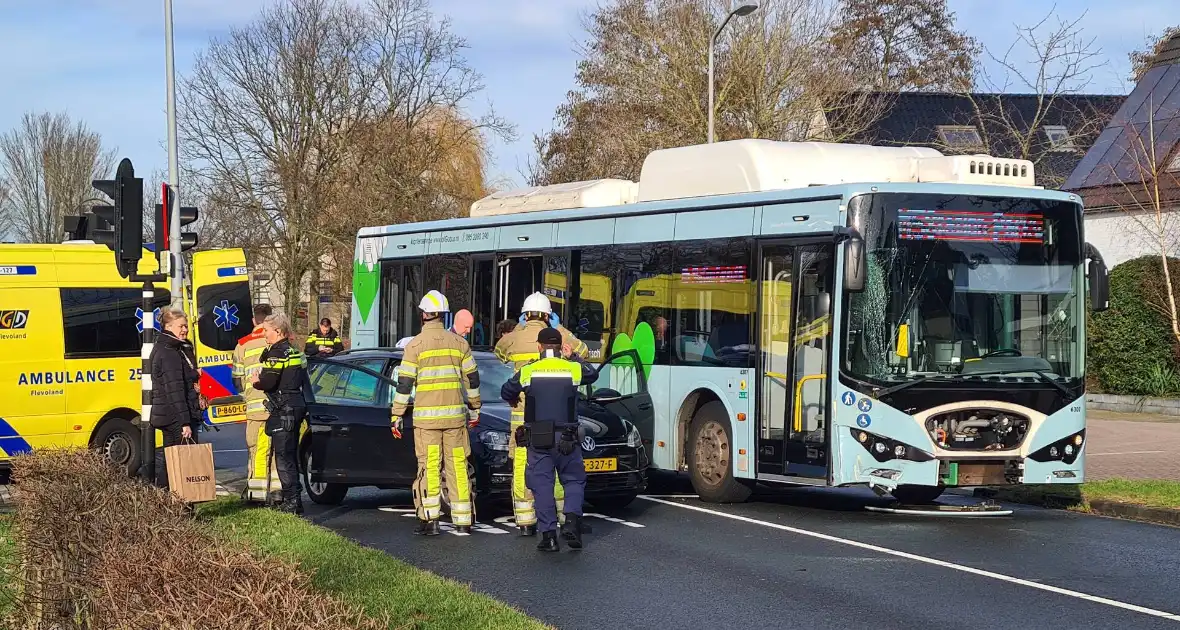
point(190, 472)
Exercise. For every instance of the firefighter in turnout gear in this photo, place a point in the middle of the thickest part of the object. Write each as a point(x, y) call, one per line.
point(281, 377)
point(261, 474)
point(516, 349)
point(550, 434)
point(437, 361)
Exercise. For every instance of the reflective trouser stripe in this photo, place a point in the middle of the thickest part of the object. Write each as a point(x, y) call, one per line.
point(461, 494)
point(522, 498)
point(432, 502)
point(559, 496)
point(260, 452)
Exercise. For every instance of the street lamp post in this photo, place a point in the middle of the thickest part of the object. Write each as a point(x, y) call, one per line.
point(175, 269)
point(745, 9)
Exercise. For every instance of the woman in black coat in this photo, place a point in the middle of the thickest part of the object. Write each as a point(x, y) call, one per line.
point(176, 405)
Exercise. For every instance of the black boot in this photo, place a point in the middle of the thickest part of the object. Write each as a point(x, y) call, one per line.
point(431, 528)
point(422, 527)
point(548, 542)
point(528, 530)
point(463, 529)
point(572, 531)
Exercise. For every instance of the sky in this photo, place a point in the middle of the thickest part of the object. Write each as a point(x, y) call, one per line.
point(102, 61)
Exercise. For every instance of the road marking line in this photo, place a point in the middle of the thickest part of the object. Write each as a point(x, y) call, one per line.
point(1126, 453)
point(923, 559)
point(671, 496)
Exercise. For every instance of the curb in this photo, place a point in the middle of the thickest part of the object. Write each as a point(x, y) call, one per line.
point(1113, 509)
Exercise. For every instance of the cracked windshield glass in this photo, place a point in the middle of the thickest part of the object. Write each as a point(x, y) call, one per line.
point(959, 285)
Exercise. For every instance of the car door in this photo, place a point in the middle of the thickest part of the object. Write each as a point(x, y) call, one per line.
point(350, 413)
point(622, 389)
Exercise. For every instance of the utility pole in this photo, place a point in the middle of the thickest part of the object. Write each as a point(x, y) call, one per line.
point(173, 266)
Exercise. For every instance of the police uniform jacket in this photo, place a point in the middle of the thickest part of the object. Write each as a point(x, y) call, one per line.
point(247, 363)
point(437, 362)
point(282, 374)
point(549, 387)
point(316, 339)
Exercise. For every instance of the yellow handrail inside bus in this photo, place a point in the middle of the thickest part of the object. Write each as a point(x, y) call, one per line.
point(798, 422)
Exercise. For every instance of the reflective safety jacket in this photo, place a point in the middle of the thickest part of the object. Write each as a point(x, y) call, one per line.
point(436, 361)
point(549, 387)
point(247, 363)
point(330, 340)
point(282, 374)
point(519, 347)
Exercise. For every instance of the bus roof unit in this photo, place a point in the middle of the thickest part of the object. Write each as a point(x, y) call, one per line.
point(750, 166)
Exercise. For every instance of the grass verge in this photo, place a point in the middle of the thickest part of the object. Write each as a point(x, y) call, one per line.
point(377, 582)
point(7, 565)
point(1091, 496)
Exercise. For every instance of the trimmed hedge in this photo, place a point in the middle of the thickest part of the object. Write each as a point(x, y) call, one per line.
point(1131, 348)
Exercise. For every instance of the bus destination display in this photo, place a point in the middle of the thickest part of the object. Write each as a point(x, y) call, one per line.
point(967, 225)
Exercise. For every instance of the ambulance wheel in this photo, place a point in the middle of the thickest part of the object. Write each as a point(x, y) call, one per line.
point(118, 440)
point(321, 492)
point(917, 495)
point(710, 456)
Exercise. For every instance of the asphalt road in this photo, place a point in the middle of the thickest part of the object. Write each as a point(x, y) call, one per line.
point(794, 558)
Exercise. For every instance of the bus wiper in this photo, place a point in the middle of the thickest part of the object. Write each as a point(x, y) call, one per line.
point(893, 389)
point(1044, 376)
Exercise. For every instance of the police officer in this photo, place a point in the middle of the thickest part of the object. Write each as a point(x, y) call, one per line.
point(281, 377)
point(550, 433)
point(437, 360)
point(516, 349)
point(324, 341)
point(261, 474)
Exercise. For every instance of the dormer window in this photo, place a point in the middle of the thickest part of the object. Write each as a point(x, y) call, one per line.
point(960, 136)
point(1059, 138)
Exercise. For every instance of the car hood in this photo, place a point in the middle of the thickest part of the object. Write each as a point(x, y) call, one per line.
point(596, 421)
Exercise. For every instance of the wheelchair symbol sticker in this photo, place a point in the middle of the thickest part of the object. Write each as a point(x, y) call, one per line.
point(864, 405)
point(847, 399)
point(863, 420)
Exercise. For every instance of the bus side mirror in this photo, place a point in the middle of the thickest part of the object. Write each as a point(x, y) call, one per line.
point(854, 263)
point(1099, 280)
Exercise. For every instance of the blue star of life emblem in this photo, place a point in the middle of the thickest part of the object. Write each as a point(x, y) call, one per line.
point(139, 319)
point(225, 315)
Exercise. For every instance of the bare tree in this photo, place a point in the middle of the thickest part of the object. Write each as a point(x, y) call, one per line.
point(908, 44)
point(1063, 63)
point(47, 164)
point(642, 84)
point(1141, 60)
point(285, 116)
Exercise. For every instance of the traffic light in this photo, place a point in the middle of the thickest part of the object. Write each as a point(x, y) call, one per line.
point(188, 214)
point(125, 217)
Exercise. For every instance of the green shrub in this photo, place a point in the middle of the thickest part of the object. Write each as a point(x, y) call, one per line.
point(1131, 348)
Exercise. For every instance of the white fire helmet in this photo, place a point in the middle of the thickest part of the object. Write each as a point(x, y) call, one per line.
point(536, 303)
point(434, 302)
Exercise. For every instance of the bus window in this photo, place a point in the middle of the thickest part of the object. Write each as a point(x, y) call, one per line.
point(714, 300)
point(483, 304)
point(224, 314)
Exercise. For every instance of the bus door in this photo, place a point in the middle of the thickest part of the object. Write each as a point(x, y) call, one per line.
point(401, 290)
point(794, 347)
point(221, 312)
point(519, 276)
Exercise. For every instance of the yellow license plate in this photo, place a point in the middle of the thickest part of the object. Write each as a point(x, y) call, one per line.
point(602, 464)
point(222, 411)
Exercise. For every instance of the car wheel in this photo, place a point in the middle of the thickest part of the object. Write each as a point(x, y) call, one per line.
point(321, 492)
point(613, 502)
point(710, 457)
point(118, 441)
point(917, 495)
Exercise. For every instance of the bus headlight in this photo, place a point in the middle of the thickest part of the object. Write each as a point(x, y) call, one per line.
point(884, 449)
point(1065, 450)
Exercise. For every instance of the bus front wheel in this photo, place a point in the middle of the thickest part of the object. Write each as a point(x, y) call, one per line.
point(917, 495)
point(710, 456)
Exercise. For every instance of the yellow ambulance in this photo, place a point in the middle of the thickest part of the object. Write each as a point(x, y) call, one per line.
point(70, 344)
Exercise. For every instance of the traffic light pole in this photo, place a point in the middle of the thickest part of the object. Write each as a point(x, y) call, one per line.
point(175, 266)
point(147, 435)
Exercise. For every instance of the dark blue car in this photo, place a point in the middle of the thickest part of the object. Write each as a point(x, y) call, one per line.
point(349, 442)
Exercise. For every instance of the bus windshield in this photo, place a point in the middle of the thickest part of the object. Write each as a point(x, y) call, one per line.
point(958, 285)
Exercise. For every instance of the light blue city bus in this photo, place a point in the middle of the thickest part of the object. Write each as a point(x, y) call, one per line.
point(800, 313)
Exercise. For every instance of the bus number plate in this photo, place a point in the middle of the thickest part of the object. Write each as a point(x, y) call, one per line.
point(221, 411)
point(602, 464)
